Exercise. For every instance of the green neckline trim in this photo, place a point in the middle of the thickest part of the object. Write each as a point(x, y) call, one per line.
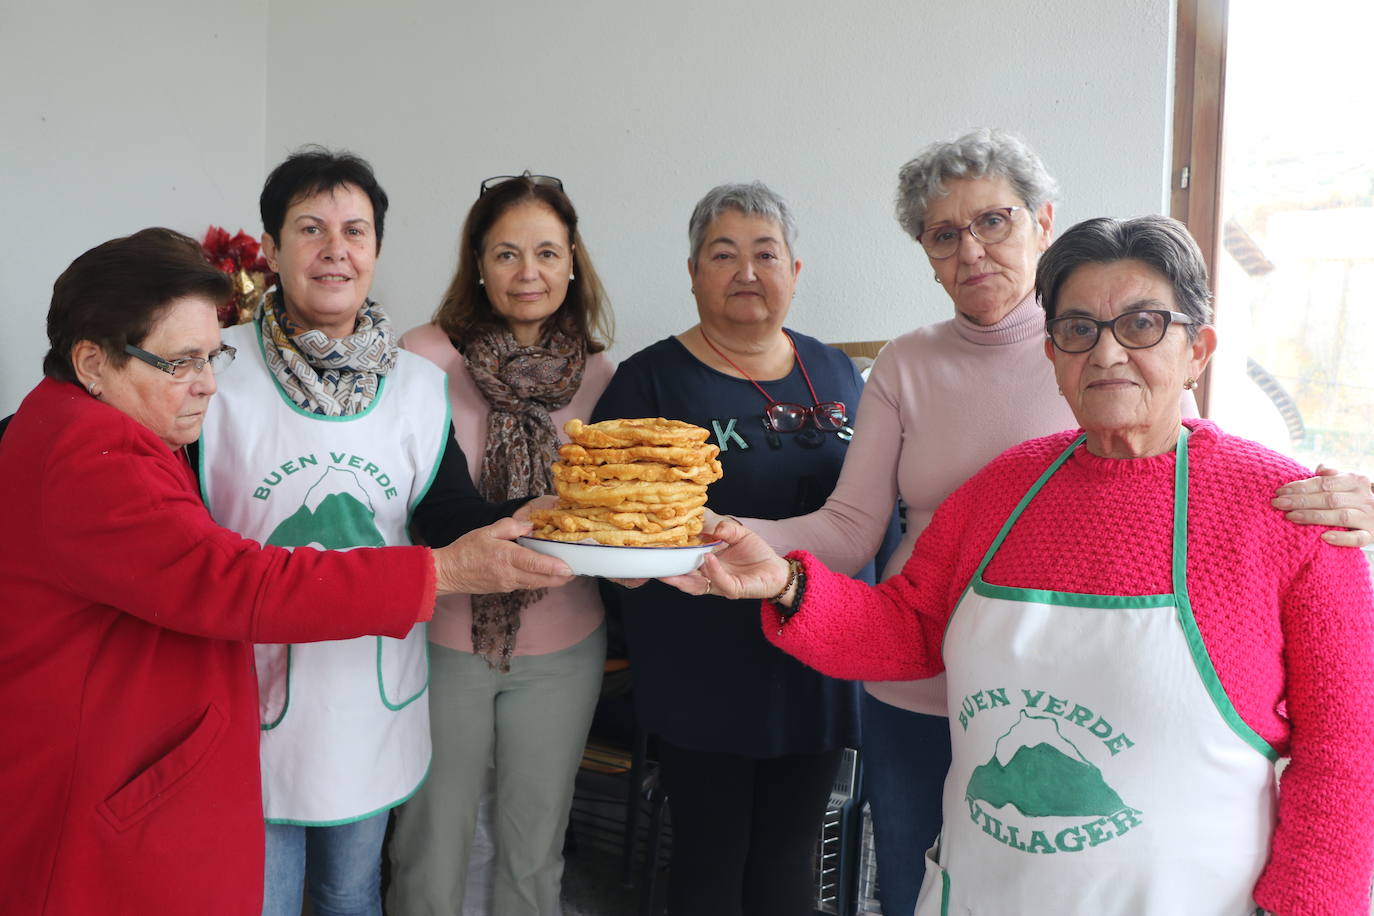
point(1025, 501)
point(281, 392)
point(444, 439)
point(291, 822)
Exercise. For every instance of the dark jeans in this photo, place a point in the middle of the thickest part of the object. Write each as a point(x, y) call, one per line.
point(906, 756)
point(744, 830)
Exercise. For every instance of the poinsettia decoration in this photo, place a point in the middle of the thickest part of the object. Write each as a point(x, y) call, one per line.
point(240, 257)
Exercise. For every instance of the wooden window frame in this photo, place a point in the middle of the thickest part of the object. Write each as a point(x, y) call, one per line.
point(1196, 172)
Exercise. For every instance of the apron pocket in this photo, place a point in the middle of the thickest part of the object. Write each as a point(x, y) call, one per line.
point(403, 668)
point(273, 664)
point(933, 899)
point(159, 783)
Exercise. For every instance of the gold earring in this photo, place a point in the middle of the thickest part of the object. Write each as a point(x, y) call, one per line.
point(1190, 384)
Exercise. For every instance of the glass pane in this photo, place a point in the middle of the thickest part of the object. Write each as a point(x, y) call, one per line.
point(1295, 274)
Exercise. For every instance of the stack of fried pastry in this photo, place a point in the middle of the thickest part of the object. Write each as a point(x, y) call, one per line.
point(630, 483)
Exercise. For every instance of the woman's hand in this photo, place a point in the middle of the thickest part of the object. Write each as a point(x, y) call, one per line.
point(745, 568)
point(485, 561)
point(1331, 498)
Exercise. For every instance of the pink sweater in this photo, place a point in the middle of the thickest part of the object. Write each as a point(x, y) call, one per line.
point(566, 615)
point(941, 402)
point(1287, 620)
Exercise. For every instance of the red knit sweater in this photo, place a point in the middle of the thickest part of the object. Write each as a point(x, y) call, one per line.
point(1287, 619)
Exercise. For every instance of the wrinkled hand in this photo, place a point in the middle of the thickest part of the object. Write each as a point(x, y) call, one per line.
point(539, 502)
point(1334, 498)
point(746, 567)
point(485, 561)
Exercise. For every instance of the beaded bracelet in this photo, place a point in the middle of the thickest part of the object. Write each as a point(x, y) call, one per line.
point(795, 573)
point(793, 568)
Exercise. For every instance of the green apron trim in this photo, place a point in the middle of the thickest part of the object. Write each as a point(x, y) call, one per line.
point(944, 893)
point(1188, 622)
point(361, 817)
point(1178, 576)
point(381, 686)
point(281, 392)
point(268, 726)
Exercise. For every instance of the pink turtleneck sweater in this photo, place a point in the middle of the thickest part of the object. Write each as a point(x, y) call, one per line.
point(1287, 619)
point(941, 402)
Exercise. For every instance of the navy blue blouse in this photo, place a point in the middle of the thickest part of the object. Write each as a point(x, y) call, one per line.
point(704, 677)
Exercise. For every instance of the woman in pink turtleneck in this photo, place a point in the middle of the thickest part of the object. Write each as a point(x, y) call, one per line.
point(940, 403)
point(1132, 637)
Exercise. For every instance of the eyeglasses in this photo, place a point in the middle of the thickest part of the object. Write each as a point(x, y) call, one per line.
point(1135, 330)
point(188, 367)
point(788, 418)
point(988, 227)
point(547, 181)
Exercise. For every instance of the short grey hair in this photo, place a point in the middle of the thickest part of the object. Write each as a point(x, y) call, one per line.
point(752, 199)
point(1160, 243)
point(986, 152)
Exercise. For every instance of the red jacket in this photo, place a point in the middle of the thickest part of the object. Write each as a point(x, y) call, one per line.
point(129, 764)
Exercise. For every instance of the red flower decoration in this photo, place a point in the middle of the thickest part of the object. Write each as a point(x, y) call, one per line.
point(240, 257)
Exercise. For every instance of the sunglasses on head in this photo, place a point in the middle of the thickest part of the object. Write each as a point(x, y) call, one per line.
point(544, 180)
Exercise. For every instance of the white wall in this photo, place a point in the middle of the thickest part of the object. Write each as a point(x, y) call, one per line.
point(113, 118)
point(641, 107)
point(171, 112)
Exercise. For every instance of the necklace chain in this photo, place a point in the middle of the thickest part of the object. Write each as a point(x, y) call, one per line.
point(766, 396)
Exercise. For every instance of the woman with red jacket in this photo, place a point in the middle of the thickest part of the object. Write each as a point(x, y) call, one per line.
point(130, 781)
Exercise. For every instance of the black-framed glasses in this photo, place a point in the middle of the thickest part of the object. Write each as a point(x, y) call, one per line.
point(989, 227)
point(498, 180)
point(188, 367)
point(783, 417)
point(1139, 329)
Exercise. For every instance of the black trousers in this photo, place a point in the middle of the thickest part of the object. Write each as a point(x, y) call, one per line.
point(744, 831)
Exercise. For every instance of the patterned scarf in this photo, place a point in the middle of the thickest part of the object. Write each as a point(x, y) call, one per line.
point(522, 386)
point(335, 378)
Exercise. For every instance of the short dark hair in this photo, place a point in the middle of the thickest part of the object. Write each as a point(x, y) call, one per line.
point(465, 309)
point(113, 294)
point(1161, 243)
point(312, 170)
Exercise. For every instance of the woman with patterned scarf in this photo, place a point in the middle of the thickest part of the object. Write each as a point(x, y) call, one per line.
point(520, 333)
point(331, 437)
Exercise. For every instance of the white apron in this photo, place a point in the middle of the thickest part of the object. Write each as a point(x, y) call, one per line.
point(1099, 767)
point(343, 736)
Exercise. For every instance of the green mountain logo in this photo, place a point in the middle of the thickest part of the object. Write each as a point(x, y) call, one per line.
point(336, 513)
point(1042, 773)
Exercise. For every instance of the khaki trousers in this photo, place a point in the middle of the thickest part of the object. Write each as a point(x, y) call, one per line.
point(531, 723)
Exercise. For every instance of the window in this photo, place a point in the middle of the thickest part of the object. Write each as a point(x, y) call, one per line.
point(1271, 122)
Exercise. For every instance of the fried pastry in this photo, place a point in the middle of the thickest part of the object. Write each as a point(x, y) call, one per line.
point(601, 518)
point(644, 431)
point(651, 471)
point(614, 493)
point(632, 483)
point(692, 456)
point(682, 536)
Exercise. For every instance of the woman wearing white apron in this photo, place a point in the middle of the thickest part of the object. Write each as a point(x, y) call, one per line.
point(1132, 635)
point(331, 437)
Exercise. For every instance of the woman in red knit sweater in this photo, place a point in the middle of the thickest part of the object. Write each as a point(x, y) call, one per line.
point(129, 778)
point(1132, 635)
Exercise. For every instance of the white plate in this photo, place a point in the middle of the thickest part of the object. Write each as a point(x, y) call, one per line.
point(589, 559)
